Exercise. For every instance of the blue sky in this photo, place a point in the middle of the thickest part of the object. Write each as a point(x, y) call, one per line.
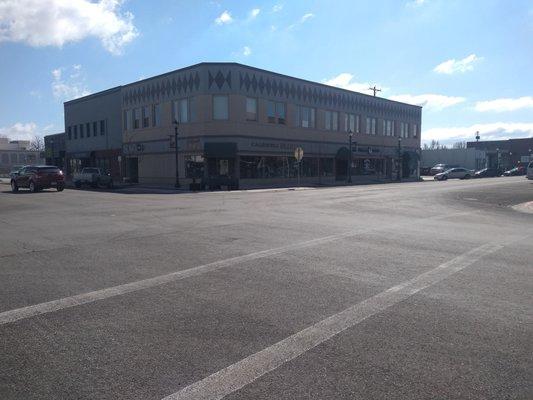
point(469, 63)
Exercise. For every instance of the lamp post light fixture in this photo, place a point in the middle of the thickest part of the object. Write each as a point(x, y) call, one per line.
point(350, 135)
point(176, 124)
point(398, 170)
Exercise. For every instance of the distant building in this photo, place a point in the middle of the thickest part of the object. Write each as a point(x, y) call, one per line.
point(16, 152)
point(55, 149)
point(241, 125)
point(505, 154)
point(468, 158)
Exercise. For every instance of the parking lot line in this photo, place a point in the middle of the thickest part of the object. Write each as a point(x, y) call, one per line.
point(249, 369)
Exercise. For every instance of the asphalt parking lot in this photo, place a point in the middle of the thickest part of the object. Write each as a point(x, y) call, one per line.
point(398, 291)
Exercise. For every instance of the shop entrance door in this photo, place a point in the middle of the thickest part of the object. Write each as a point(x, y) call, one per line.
point(133, 169)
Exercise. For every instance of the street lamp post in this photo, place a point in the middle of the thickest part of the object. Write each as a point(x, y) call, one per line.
point(529, 151)
point(350, 135)
point(398, 170)
point(177, 185)
point(498, 159)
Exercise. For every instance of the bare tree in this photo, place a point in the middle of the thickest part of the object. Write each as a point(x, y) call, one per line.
point(37, 143)
point(459, 145)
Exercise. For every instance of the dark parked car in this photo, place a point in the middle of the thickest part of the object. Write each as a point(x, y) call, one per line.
point(37, 177)
point(486, 173)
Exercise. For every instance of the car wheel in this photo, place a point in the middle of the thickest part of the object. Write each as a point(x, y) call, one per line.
point(32, 187)
point(14, 186)
point(467, 176)
point(444, 178)
point(60, 188)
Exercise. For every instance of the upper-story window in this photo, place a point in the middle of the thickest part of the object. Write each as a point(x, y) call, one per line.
point(181, 111)
point(146, 116)
point(136, 118)
point(371, 126)
point(220, 107)
point(251, 109)
point(95, 128)
point(81, 131)
point(88, 129)
point(388, 127)
point(128, 119)
point(306, 117)
point(351, 123)
point(414, 130)
point(276, 112)
point(156, 115)
point(404, 132)
point(102, 127)
point(331, 122)
point(69, 133)
point(75, 131)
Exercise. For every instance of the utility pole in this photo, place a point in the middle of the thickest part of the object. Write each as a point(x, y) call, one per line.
point(374, 89)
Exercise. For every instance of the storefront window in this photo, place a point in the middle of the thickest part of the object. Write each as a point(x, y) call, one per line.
point(256, 167)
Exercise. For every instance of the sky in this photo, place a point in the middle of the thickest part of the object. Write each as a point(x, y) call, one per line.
point(468, 63)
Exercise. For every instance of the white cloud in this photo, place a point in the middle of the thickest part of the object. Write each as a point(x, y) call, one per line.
point(277, 8)
point(246, 51)
point(71, 87)
point(57, 22)
point(346, 80)
point(20, 131)
point(429, 101)
point(302, 20)
point(452, 66)
point(254, 13)
point(224, 18)
point(490, 131)
point(504, 104)
point(306, 17)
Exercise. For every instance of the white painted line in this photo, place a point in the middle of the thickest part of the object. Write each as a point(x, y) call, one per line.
point(84, 298)
point(244, 372)
point(90, 297)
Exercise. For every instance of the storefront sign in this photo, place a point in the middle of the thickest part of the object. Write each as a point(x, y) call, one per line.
point(275, 145)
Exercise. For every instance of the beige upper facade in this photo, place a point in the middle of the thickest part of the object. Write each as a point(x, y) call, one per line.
point(286, 109)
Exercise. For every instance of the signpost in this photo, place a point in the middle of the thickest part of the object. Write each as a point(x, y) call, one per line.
point(298, 154)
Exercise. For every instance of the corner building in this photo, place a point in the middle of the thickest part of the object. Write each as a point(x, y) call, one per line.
point(239, 126)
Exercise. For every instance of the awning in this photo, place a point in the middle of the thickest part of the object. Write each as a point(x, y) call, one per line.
point(220, 150)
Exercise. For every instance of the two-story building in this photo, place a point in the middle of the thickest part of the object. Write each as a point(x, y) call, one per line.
point(240, 125)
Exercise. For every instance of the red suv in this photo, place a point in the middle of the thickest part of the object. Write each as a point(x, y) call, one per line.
point(37, 177)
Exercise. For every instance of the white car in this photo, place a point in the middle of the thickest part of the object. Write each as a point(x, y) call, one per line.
point(454, 173)
point(530, 170)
